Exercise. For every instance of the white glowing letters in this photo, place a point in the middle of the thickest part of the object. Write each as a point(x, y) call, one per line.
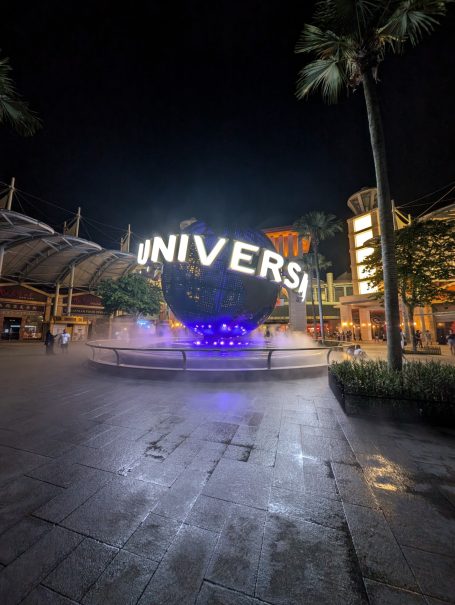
point(244, 258)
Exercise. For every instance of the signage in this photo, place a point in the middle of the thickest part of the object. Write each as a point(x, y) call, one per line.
point(21, 307)
point(245, 258)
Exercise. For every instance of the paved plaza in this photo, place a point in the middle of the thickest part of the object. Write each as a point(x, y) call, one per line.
point(117, 491)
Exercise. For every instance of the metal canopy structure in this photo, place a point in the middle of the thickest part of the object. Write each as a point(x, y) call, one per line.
point(33, 253)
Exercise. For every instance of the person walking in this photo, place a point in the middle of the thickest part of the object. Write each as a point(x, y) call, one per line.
point(49, 343)
point(418, 338)
point(64, 341)
point(451, 342)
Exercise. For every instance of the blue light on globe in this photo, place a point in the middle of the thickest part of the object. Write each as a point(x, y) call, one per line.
point(214, 301)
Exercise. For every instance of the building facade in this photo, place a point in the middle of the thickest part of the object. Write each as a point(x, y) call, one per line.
point(362, 312)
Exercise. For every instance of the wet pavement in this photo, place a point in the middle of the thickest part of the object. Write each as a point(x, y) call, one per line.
point(121, 491)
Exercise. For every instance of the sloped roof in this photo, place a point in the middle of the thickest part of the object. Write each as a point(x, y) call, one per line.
point(33, 253)
point(344, 277)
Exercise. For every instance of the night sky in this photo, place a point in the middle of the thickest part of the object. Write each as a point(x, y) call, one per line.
point(157, 111)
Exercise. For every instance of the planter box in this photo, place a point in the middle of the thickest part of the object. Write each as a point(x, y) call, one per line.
point(423, 351)
point(404, 410)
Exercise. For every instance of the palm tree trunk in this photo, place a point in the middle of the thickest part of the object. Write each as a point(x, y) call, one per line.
point(318, 282)
point(392, 312)
point(313, 310)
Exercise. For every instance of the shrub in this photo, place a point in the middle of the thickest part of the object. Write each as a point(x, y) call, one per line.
point(424, 381)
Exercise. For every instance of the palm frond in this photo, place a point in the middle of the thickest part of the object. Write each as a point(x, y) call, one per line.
point(323, 43)
point(411, 20)
point(347, 16)
point(13, 109)
point(318, 225)
point(328, 75)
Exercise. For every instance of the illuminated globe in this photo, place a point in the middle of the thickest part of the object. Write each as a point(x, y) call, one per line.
point(214, 301)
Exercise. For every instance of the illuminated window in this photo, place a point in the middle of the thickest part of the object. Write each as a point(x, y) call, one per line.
point(365, 288)
point(363, 237)
point(362, 272)
point(363, 253)
point(363, 222)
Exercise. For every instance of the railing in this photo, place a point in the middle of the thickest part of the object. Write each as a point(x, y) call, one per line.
point(222, 352)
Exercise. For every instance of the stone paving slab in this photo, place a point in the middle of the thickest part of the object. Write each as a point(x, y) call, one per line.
point(235, 560)
point(115, 511)
point(76, 574)
point(116, 491)
point(123, 582)
point(303, 562)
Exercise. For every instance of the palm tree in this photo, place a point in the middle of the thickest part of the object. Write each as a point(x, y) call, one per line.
point(347, 41)
point(13, 109)
point(308, 265)
point(319, 226)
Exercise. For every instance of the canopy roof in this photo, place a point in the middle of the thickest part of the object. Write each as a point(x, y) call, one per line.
point(33, 253)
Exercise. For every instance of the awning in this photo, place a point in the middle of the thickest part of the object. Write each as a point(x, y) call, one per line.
point(33, 253)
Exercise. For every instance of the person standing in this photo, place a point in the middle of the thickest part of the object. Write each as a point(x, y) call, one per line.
point(402, 340)
point(418, 339)
point(64, 341)
point(451, 342)
point(49, 343)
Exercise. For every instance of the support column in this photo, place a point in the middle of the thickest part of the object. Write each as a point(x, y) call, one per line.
point(297, 313)
point(70, 292)
point(365, 328)
point(330, 289)
point(345, 316)
point(9, 201)
point(2, 256)
point(55, 305)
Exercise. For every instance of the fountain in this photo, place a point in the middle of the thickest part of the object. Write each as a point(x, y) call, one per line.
point(222, 300)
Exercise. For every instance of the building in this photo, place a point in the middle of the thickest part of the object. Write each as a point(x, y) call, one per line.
point(362, 312)
point(440, 317)
point(332, 289)
point(290, 309)
point(48, 280)
point(304, 315)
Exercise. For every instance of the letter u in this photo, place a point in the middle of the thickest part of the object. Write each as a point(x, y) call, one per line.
point(143, 254)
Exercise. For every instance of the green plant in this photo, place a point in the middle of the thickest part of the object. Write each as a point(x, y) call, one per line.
point(346, 43)
point(13, 109)
point(425, 251)
point(423, 381)
point(132, 293)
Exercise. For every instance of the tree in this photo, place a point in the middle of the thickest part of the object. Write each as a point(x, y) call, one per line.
point(132, 293)
point(348, 40)
point(13, 109)
point(307, 263)
point(319, 226)
point(425, 253)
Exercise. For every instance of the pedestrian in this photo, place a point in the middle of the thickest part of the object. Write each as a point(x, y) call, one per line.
point(402, 340)
point(418, 339)
point(359, 353)
point(428, 335)
point(451, 342)
point(267, 332)
point(64, 341)
point(49, 343)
